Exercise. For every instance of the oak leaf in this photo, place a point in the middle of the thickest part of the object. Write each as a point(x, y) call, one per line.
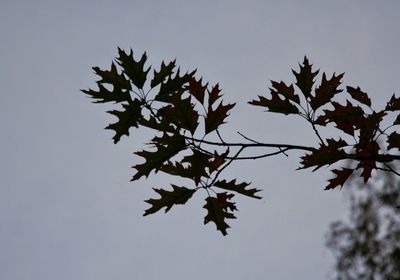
point(237, 187)
point(128, 118)
point(305, 78)
point(178, 195)
point(340, 179)
point(132, 68)
point(217, 213)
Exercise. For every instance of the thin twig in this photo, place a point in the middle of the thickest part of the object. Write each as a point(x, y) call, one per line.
point(225, 166)
point(247, 138)
point(250, 145)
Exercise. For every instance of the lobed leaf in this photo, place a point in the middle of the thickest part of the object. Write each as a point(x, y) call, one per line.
point(393, 104)
point(305, 78)
point(112, 77)
point(215, 118)
point(177, 169)
point(198, 162)
point(173, 86)
point(286, 91)
point(213, 95)
point(197, 89)
point(359, 95)
point(217, 213)
point(167, 147)
point(340, 179)
point(128, 118)
point(326, 91)
point(276, 104)
point(132, 68)
point(236, 187)
point(325, 155)
point(103, 95)
point(218, 160)
point(178, 195)
point(165, 71)
point(345, 117)
point(368, 164)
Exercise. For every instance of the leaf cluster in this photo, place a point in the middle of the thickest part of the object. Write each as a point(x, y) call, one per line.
point(186, 114)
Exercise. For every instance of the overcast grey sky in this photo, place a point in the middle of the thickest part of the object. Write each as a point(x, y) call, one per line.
point(67, 208)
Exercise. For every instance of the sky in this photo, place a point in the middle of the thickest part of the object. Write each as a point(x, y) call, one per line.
point(67, 207)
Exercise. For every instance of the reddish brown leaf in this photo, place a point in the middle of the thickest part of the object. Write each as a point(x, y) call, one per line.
point(325, 155)
point(285, 91)
point(394, 141)
point(359, 95)
point(305, 78)
point(345, 117)
point(340, 179)
point(215, 118)
point(213, 95)
point(393, 104)
point(196, 89)
point(368, 126)
point(167, 147)
point(367, 162)
point(237, 187)
point(178, 195)
point(397, 120)
point(326, 91)
point(223, 199)
point(198, 162)
point(276, 104)
point(217, 214)
point(218, 160)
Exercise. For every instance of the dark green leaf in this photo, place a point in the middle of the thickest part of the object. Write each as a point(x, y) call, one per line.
point(276, 104)
point(167, 147)
point(198, 162)
point(178, 195)
point(183, 114)
point(153, 123)
point(173, 86)
point(177, 169)
point(132, 68)
point(103, 95)
point(165, 71)
point(126, 119)
point(217, 214)
point(112, 77)
point(239, 188)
